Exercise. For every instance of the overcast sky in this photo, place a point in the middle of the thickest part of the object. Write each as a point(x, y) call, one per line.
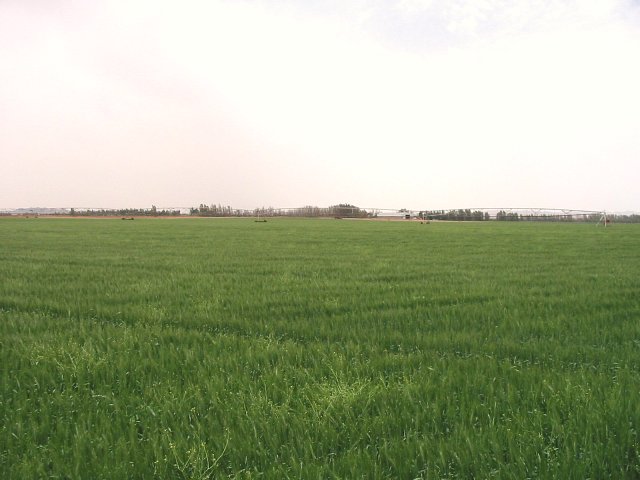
point(382, 103)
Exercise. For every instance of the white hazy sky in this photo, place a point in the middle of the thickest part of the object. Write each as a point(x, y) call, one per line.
point(380, 103)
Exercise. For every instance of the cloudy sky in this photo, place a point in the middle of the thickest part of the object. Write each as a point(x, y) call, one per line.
point(380, 103)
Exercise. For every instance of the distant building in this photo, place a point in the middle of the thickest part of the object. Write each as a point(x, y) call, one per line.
point(394, 215)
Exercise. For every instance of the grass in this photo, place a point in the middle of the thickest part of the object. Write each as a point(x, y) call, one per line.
point(204, 348)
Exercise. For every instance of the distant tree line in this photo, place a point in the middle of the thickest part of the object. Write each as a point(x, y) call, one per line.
point(125, 212)
point(213, 210)
point(346, 210)
point(343, 210)
point(630, 218)
point(457, 215)
point(567, 217)
point(510, 216)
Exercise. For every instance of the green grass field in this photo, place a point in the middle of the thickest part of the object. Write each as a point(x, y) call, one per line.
point(214, 348)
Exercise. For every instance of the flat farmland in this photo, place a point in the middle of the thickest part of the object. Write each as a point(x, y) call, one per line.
point(225, 348)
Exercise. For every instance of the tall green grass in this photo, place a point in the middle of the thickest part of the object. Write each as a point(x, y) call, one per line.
point(204, 348)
